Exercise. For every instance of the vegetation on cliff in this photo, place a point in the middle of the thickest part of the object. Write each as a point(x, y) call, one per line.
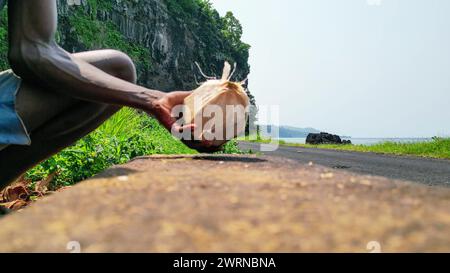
point(3, 41)
point(221, 35)
point(94, 34)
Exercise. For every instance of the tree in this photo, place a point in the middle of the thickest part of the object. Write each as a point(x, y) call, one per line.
point(232, 29)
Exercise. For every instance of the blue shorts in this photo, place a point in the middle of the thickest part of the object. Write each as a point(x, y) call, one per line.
point(12, 129)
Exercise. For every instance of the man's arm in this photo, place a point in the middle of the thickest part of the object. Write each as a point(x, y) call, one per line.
point(35, 56)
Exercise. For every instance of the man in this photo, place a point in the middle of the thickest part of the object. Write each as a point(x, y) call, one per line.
point(52, 98)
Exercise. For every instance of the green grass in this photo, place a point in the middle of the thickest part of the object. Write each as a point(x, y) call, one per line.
point(126, 135)
point(260, 139)
point(437, 148)
point(3, 40)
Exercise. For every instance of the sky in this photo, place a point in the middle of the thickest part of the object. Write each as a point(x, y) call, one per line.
point(364, 68)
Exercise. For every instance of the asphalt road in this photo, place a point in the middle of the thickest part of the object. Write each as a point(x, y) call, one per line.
point(435, 172)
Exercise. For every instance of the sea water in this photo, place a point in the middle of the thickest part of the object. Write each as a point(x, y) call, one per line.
point(365, 141)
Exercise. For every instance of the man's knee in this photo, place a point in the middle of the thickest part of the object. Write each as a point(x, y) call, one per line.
point(123, 66)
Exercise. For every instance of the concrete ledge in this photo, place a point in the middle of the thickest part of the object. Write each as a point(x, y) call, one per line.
point(224, 203)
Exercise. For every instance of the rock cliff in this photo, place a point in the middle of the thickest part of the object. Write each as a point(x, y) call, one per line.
point(164, 37)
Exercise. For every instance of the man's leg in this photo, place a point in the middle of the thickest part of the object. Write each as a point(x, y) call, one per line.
point(37, 106)
point(56, 121)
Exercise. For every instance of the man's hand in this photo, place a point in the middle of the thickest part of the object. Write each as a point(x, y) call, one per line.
point(162, 110)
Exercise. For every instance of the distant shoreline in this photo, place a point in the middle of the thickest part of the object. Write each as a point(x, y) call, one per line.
point(363, 140)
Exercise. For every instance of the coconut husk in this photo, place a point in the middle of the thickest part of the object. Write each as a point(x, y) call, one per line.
point(226, 119)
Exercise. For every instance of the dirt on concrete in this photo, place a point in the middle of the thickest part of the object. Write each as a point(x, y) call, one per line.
point(232, 204)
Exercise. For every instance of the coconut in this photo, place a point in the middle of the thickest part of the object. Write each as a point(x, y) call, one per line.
point(218, 108)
